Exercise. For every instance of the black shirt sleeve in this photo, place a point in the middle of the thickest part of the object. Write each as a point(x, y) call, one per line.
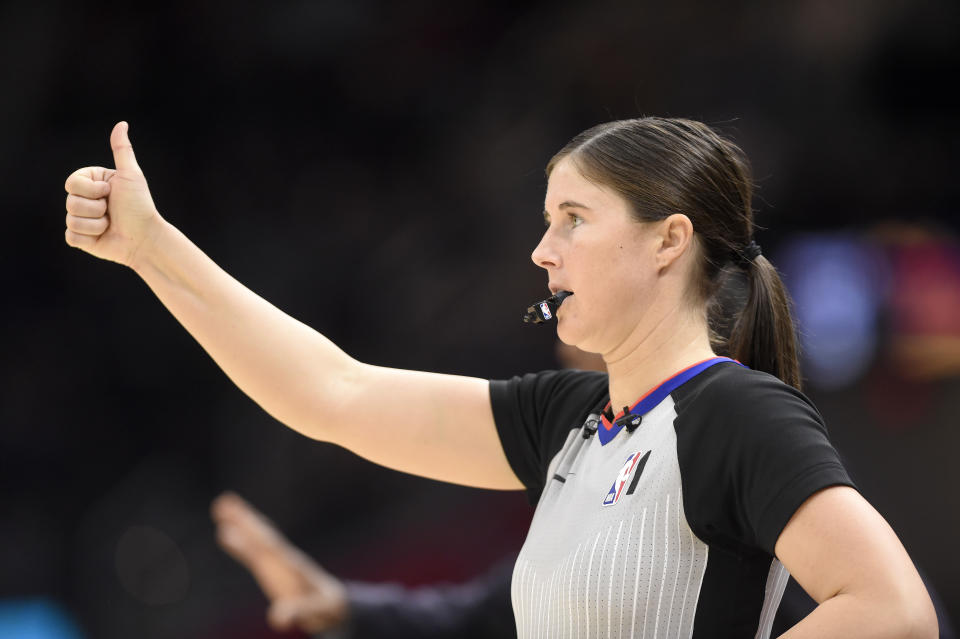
point(536, 412)
point(751, 451)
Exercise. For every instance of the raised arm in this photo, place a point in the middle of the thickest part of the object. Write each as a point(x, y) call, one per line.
point(421, 423)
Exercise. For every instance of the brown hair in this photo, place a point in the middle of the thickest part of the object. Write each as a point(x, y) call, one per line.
point(663, 166)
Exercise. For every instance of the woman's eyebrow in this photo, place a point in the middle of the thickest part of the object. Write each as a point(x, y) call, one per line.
point(568, 204)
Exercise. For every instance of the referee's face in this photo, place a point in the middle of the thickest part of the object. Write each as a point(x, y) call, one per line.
point(594, 248)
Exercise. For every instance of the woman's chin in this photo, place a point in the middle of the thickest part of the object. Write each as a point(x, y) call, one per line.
point(567, 333)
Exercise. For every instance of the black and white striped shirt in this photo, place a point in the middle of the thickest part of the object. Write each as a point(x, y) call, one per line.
point(667, 531)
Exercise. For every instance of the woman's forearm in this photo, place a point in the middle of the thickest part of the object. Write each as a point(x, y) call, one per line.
point(292, 371)
point(847, 616)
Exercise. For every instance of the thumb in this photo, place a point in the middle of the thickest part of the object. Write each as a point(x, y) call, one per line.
point(123, 157)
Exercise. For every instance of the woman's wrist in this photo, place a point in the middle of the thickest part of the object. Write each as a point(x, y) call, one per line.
point(150, 248)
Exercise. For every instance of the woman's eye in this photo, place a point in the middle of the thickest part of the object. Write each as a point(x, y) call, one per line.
point(575, 219)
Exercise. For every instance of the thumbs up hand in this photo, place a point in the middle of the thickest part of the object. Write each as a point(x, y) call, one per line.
point(110, 213)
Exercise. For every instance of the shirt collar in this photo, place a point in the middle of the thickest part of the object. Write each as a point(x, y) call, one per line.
point(654, 396)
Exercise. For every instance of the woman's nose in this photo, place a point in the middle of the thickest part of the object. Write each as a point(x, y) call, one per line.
point(545, 255)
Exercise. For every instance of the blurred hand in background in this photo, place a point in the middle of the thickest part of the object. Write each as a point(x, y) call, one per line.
point(302, 595)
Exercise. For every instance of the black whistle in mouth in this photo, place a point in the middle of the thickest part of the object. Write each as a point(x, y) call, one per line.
point(545, 310)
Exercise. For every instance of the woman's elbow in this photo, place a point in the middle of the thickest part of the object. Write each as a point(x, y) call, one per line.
point(925, 625)
point(919, 618)
point(334, 402)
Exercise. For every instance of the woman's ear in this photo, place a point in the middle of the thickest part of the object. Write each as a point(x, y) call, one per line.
point(676, 236)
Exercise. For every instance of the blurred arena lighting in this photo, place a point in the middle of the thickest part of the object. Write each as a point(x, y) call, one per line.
point(36, 619)
point(838, 282)
point(924, 305)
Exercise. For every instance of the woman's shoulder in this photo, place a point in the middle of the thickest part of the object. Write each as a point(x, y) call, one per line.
point(733, 380)
point(737, 394)
point(550, 396)
point(556, 383)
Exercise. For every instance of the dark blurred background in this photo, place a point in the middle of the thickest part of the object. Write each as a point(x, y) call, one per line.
point(376, 170)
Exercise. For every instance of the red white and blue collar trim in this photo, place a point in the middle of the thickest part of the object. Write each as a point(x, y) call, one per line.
point(656, 395)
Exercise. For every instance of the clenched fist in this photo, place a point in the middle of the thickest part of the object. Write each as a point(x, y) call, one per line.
point(110, 213)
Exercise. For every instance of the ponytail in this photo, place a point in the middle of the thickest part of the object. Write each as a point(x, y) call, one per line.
point(763, 336)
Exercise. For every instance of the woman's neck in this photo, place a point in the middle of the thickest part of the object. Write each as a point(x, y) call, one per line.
point(649, 356)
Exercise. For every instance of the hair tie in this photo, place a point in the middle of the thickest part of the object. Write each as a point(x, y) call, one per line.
point(749, 253)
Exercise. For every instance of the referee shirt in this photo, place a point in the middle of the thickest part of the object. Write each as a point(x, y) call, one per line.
point(667, 531)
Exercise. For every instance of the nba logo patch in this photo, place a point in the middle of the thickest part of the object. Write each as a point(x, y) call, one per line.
point(545, 310)
point(622, 478)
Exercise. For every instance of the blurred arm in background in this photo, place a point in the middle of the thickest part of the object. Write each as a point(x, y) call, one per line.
point(303, 595)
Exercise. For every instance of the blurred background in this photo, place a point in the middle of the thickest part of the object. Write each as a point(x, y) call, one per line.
point(375, 169)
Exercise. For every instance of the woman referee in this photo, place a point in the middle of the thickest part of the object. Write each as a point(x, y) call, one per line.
point(677, 516)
